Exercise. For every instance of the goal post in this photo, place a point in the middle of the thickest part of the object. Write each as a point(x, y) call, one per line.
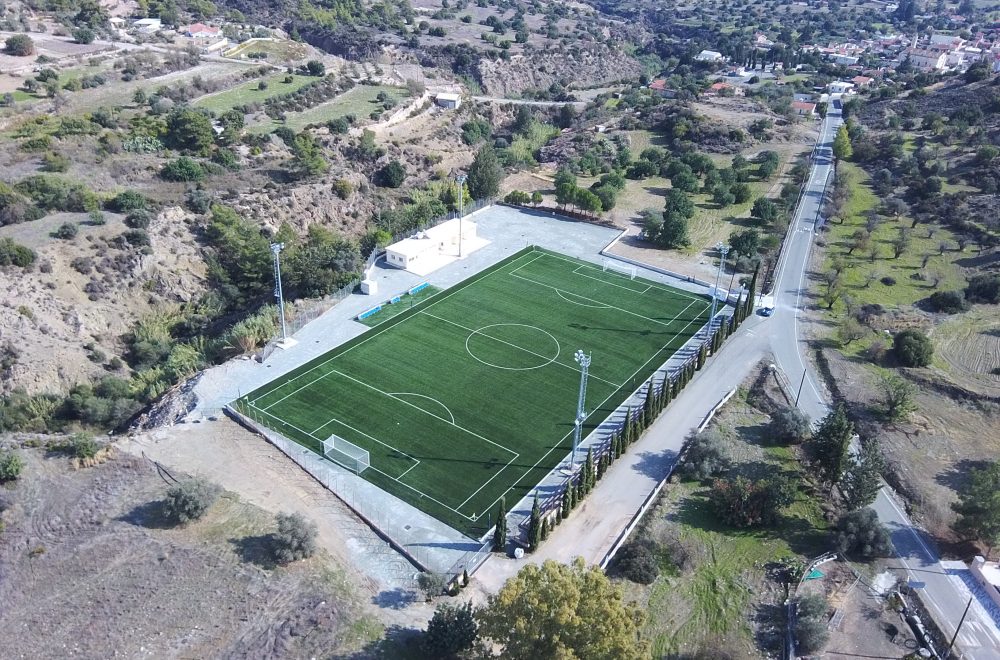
point(627, 270)
point(346, 454)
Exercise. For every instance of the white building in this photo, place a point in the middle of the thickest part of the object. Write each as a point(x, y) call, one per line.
point(448, 100)
point(708, 56)
point(927, 60)
point(840, 87)
point(435, 247)
point(147, 25)
point(988, 574)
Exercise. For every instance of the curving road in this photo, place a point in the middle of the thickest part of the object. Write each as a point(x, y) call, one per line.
point(943, 594)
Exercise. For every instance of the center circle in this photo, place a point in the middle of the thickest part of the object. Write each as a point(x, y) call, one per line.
point(512, 346)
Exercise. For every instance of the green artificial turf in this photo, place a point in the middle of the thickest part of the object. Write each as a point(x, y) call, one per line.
point(470, 396)
point(391, 310)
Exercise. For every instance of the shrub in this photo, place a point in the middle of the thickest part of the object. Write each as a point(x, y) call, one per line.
point(741, 502)
point(888, 280)
point(138, 219)
point(811, 632)
point(189, 500)
point(912, 348)
point(859, 533)
point(82, 445)
point(295, 538)
point(949, 302)
point(66, 231)
point(450, 631)
point(128, 200)
point(183, 169)
point(789, 425)
point(11, 465)
point(15, 254)
point(227, 158)
point(392, 175)
point(984, 289)
point(53, 162)
point(55, 193)
point(83, 35)
point(338, 126)
point(342, 188)
point(432, 584)
point(636, 561)
point(19, 45)
point(705, 455)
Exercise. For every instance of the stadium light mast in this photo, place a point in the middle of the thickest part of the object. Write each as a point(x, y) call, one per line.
point(461, 178)
point(581, 414)
point(286, 341)
point(724, 250)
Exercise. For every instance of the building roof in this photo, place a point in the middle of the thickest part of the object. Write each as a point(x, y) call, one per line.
point(201, 28)
point(861, 80)
point(802, 105)
point(659, 84)
point(720, 86)
point(448, 96)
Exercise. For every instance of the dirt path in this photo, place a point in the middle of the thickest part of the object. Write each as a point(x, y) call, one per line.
point(241, 462)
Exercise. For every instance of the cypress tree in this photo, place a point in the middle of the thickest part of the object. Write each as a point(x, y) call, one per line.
point(602, 466)
point(702, 353)
point(616, 446)
point(500, 533)
point(465, 578)
point(648, 403)
point(752, 292)
point(589, 472)
point(567, 500)
point(573, 493)
point(738, 313)
point(668, 392)
point(535, 526)
point(545, 527)
point(580, 492)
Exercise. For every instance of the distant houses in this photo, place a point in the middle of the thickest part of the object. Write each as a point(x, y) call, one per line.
point(709, 56)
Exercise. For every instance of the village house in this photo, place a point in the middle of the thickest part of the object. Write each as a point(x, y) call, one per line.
point(804, 109)
point(709, 56)
point(201, 31)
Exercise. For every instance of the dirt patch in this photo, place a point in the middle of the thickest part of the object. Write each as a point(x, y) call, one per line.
point(87, 566)
point(969, 346)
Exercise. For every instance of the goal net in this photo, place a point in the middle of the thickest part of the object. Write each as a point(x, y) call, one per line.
point(620, 268)
point(347, 454)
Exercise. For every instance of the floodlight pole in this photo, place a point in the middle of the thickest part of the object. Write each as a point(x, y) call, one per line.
point(581, 414)
point(461, 178)
point(276, 249)
point(724, 249)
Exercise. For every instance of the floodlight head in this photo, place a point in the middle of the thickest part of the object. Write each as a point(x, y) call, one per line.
point(461, 178)
point(578, 356)
point(277, 247)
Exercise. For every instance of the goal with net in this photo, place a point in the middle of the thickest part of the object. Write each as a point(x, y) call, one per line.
point(346, 454)
point(627, 270)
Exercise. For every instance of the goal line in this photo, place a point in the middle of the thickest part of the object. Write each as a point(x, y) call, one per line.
point(346, 454)
point(614, 266)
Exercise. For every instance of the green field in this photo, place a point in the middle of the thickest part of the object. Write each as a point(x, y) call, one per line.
point(250, 92)
point(359, 101)
point(470, 396)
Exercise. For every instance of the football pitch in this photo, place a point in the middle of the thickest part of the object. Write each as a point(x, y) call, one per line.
point(470, 395)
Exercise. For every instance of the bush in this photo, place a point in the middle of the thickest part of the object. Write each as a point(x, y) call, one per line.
point(789, 425)
point(741, 502)
point(227, 158)
point(189, 500)
point(15, 254)
point(636, 561)
point(128, 200)
point(984, 289)
point(705, 455)
point(949, 302)
point(450, 631)
point(391, 176)
point(295, 538)
point(53, 162)
point(19, 45)
point(912, 348)
point(811, 633)
point(11, 465)
point(66, 231)
point(888, 280)
point(183, 169)
point(860, 534)
point(432, 584)
point(82, 445)
point(138, 219)
point(342, 188)
point(83, 35)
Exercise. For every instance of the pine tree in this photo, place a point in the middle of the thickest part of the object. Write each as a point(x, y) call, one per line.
point(535, 526)
point(500, 533)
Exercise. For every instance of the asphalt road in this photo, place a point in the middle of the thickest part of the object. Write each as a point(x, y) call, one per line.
point(979, 637)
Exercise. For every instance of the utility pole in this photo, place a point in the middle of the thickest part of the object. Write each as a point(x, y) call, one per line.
point(724, 250)
point(801, 383)
point(955, 636)
point(461, 209)
point(286, 341)
point(581, 414)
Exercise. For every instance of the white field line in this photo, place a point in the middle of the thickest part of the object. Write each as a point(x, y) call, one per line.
point(597, 407)
point(654, 285)
point(372, 467)
point(597, 279)
point(434, 301)
point(512, 345)
point(426, 412)
point(623, 311)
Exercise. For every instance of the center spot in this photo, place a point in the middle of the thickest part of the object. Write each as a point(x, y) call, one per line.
point(512, 346)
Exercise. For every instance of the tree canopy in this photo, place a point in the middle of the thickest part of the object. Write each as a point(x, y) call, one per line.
point(978, 506)
point(562, 611)
point(485, 174)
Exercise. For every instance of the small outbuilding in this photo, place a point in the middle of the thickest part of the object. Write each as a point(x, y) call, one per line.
point(448, 100)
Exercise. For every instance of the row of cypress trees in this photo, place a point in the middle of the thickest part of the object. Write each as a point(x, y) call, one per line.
point(637, 420)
